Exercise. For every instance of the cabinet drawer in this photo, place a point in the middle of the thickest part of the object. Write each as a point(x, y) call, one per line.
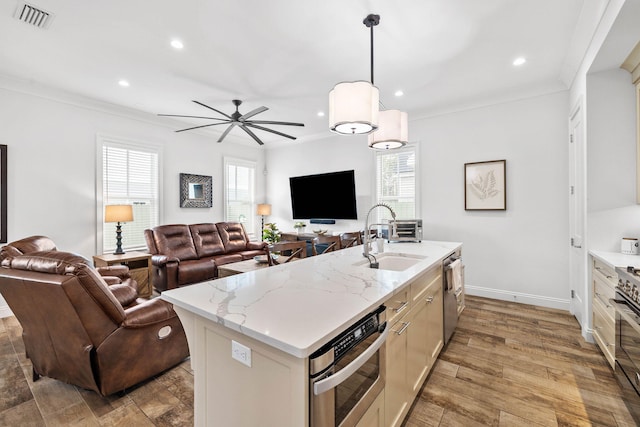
point(398, 305)
point(604, 332)
point(430, 278)
point(605, 272)
point(602, 292)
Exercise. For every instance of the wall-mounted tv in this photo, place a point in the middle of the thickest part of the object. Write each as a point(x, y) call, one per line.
point(324, 196)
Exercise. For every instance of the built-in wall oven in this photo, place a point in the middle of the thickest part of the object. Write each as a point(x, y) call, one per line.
point(627, 350)
point(347, 374)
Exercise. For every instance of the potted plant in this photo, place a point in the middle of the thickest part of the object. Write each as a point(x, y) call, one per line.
point(270, 233)
point(300, 225)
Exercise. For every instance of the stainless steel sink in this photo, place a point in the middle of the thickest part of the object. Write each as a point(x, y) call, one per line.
point(393, 261)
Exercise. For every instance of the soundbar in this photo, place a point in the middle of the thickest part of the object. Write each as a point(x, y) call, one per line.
point(322, 221)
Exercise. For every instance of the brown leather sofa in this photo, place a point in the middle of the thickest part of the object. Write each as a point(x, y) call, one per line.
point(76, 331)
point(186, 254)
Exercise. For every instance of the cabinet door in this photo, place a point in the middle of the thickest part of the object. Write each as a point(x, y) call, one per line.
point(434, 316)
point(418, 351)
point(374, 417)
point(396, 394)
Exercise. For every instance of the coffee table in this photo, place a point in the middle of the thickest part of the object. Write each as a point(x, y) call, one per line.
point(240, 267)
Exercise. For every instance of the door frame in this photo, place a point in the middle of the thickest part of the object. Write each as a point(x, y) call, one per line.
point(579, 278)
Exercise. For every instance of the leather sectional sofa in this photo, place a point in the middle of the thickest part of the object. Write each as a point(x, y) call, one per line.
point(185, 254)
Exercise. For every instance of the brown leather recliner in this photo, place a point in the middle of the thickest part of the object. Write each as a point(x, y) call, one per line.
point(117, 277)
point(76, 331)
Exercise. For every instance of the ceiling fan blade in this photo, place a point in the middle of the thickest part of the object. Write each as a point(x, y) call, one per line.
point(269, 122)
point(211, 108)
point(269, 130)
point(226, 132)
point(253, 113)
point(191, 117)
point(251, 134)
point(202, 126)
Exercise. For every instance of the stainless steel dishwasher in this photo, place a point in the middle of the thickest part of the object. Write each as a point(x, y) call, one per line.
point(449, 298)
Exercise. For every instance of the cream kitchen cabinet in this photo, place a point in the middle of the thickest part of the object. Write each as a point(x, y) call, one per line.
point(604, 280)
point(414, 343)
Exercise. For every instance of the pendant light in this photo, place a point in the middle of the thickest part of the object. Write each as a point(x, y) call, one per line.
point(354, 109)
point(353, 106)
point(392, 132)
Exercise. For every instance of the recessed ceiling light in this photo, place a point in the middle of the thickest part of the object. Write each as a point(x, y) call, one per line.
point(320, 113)
point(399, 93)
point(176, 44)
point(123, 83)
point(519, 61)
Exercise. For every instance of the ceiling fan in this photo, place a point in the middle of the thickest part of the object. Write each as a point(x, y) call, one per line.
point(240, 120)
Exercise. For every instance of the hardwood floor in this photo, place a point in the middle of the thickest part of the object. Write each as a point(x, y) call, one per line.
point(512, 364)
point(507, 364)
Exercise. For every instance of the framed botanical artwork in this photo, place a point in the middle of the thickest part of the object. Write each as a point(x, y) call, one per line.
point(485, 186)
point(195, 191)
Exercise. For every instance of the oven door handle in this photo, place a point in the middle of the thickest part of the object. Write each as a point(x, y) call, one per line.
point(625, 312)
point(328, 383)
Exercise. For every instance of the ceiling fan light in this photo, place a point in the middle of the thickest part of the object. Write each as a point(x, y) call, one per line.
point(392, 132)
point(353, 108)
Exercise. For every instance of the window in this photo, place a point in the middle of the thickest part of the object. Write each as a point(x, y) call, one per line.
point(239, 193)
point(129, 175)
point(396, 183)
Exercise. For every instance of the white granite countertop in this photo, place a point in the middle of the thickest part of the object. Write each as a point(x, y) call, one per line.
point(297, 307)
point(617, 259)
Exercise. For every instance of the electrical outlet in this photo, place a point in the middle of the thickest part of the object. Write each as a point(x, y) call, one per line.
point(241, 353)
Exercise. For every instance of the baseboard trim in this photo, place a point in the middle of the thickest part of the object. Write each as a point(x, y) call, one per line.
point(503, 295)
point(5, 311)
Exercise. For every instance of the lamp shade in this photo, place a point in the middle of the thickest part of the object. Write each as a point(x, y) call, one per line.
point(118, 213)
point(264, 209)
point(392, 132)
point(353, 108)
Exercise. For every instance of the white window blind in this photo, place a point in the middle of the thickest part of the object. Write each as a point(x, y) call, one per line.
point(130, 175)
point(396, 183)
point(240, 184)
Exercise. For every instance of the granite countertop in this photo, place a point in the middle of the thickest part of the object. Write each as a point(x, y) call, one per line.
point(297, 307)
point(617, 259)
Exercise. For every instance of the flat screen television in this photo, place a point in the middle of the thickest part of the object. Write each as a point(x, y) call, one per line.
point(324, 196)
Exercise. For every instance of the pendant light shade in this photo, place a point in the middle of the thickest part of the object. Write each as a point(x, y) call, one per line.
point(353, 108)
point(392, 132)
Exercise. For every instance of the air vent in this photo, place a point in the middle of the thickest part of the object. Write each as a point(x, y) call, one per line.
point(33, 15)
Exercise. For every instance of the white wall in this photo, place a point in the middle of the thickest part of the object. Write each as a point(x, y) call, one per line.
point(51, 166)
point(335, 153)
point(612, 211)
point(518, 254)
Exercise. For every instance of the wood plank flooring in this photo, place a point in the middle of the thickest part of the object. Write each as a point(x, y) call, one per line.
point(507, 364)
point(511, 364)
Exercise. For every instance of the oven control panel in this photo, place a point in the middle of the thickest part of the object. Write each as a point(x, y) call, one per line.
point(355, 335)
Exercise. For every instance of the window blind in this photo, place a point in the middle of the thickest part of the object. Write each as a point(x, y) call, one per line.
point(130, 175)
point(240, 193)
point(396, 183)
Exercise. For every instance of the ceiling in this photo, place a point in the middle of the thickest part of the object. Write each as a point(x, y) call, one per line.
point(287, 55)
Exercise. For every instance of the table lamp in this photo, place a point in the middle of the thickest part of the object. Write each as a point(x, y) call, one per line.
point(118, 213)
point(264, 209)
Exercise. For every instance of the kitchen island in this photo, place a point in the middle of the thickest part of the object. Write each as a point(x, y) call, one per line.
point(271, 320)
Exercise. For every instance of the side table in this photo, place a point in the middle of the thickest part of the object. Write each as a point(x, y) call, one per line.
point(139, 264)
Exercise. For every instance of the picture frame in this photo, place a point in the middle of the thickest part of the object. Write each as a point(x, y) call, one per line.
point(485, 186)
point(3, 193)
point(195, 191)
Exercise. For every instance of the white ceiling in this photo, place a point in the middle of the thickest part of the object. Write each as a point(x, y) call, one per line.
point(288, 54)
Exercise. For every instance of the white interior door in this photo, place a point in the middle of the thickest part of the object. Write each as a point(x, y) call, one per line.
point(577, 213)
